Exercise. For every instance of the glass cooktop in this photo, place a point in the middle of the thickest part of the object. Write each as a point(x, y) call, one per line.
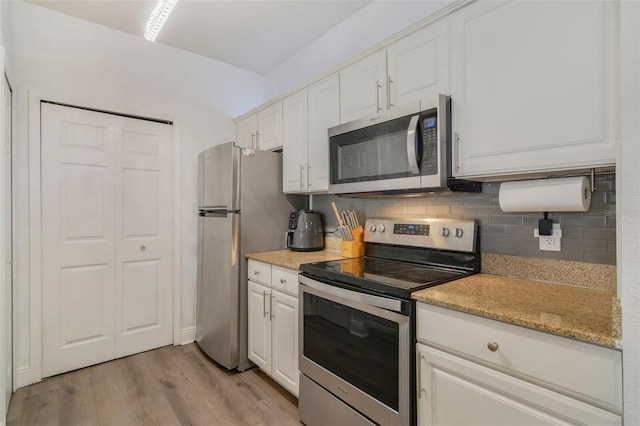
point(391, 277)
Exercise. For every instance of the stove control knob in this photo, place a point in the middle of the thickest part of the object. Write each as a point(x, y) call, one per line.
point(458, 233)
point(380, 228)
point(372, 228)
point(444, 232)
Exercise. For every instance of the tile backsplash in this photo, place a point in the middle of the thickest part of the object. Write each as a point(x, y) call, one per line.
point(586, 237)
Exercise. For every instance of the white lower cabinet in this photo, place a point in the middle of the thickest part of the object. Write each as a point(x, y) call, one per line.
point(273, 323)
point(483, 373)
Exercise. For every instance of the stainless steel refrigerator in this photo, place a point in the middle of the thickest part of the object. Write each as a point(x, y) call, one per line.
point(241, 210)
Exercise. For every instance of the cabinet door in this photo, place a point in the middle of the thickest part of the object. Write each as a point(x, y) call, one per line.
point(284, 329)
point(324, 112)
point(247, 132)
point(362, 87)
point(270, 127)
point(418, 65)
point(259, 335)
point(533, 86)
point(294, 143)
point(452, 390)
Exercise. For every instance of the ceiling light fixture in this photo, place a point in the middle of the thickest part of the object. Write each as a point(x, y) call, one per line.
point(158, 18)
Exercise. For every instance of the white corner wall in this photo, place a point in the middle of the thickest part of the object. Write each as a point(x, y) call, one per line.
point(628, 206)
point(372, 24)
point(87, 64)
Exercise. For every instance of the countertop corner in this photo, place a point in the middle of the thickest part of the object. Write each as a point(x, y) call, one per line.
point(293, 259)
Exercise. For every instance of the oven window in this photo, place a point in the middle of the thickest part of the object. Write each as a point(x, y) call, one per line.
point(354, 345)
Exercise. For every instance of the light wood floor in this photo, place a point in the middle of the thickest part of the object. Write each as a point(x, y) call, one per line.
point(174, 385)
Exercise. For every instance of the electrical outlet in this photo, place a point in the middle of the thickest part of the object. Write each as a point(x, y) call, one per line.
point(550, 242)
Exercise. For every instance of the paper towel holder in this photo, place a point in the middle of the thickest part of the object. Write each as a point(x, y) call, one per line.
point(593, 181)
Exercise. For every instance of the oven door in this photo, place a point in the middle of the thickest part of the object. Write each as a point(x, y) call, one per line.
point(356, 346)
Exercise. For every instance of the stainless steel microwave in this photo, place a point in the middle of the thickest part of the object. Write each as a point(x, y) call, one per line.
point(403, 151)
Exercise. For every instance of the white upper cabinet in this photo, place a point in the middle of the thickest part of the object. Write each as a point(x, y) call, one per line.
point(270, 127)
point(418, 65)
point(532, 86)
point(262, 130)
point(294, 143)
point(247, 131)
point(324, 113)
point(411, 68)
point(306, 118)
point(362, 91)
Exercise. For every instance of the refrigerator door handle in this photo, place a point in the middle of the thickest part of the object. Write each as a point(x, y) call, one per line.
point(217, 213)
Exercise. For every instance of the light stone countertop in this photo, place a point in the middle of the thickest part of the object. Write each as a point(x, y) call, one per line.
point(590, 314)
point(293, 259)
point(587, 314)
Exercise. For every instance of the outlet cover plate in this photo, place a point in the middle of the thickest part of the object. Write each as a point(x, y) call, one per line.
point(550, 242)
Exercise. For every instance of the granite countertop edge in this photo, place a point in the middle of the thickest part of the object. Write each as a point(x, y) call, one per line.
point(293, 259)
point(587, 333)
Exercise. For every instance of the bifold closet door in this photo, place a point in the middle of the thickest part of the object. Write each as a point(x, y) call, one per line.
point(106, 237)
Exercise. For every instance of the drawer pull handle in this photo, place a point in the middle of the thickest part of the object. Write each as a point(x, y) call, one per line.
point(256, 272)
point(282, 281)
point(492, 346)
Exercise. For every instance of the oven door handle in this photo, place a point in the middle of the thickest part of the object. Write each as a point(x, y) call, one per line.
point(353, 296)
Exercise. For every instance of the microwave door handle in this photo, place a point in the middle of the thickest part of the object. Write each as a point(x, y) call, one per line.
point(412, 136)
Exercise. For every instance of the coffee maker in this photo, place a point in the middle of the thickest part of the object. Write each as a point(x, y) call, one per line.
point(306, 232)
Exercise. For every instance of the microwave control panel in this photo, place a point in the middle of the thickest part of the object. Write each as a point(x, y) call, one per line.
point(429, 125)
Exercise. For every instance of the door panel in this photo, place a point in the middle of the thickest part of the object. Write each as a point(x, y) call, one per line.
point(107, 237)
point(83, 201)
point(78, 239)
point(141, 190)
point(259, 337)
point(284, 329)
point(144, 267)
point(83, 312)
point(139, 285)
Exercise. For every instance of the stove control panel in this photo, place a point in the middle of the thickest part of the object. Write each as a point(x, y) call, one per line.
point(444, 234)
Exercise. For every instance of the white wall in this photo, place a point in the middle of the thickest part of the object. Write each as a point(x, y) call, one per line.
point(6, 344)
point(628, 207)
point(87, 64)
point(370, 25)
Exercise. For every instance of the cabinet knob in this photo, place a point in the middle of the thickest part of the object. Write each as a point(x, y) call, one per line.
point(492, 346)
point(282, 281)
point(256, 272)
point(143, 248)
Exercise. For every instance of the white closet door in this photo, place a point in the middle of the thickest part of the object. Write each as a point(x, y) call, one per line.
point(144, 268)
point(107, 225)
point(78, 238)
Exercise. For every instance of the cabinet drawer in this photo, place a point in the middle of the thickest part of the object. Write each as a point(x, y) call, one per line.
point(585, 371)
point(259, 272)
point(285, 280)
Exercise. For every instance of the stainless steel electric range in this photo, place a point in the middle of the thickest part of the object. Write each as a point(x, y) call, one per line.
point(357, 321)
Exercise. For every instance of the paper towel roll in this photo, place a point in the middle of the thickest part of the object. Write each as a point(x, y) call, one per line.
point(546, 195)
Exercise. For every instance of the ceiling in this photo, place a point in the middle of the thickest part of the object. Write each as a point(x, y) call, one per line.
point(253, 34)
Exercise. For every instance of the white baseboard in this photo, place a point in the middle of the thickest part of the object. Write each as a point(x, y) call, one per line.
point(23, 377)
point(187, 335)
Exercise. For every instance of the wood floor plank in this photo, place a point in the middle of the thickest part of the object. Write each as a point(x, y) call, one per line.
point(174, 385)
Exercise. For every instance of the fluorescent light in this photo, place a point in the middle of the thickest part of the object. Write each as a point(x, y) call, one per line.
point(158, 18)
